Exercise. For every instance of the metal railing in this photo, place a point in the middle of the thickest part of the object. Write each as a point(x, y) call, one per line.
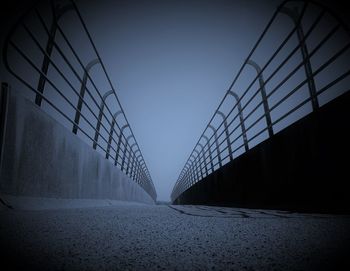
point(315, 50)
point(82, 103)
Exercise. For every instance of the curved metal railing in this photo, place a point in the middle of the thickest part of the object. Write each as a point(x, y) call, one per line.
point(63, 82)
point(294, 73)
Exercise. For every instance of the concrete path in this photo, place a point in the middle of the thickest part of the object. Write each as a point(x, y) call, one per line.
point(144, 237)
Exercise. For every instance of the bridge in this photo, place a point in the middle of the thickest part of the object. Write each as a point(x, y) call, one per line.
point(264, 187)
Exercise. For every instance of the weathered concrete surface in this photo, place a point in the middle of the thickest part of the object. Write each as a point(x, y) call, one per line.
point(43, 159)
point(31, 203)
point(304, 167)
point(152, 237)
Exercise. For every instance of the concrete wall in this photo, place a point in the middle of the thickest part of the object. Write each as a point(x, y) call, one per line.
point(41, 158)
point(302, 168)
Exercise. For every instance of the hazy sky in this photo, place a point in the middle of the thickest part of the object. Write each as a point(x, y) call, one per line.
point(171, 63)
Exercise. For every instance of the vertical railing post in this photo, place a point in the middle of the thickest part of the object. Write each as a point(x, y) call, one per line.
point(183, 178)
point(125, 153)
point(136, 164)
point(216, 144)
point(263, 96)
point(82, 93)
point(194, 169)
point(190, 178)
point(119, 142)
point(189, 174)
point(182, 173)
point(294, 15)
point(100, 114)
point(110, 136)
point(140, 180)
point(227, 133)
point(186, 173)
point(135, 176)
point(198, 163)
point(136, 171)
point(144, 177)
point(203, 158)
point(133, 160)
point(241, 119)
point(138, 168)
point(143, 166)
point(132, 168)
point(210, 153)
point(128, 169)
point(139, 173)
point(57, 12)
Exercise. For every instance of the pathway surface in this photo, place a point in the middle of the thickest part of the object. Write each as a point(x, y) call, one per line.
point(143, 237)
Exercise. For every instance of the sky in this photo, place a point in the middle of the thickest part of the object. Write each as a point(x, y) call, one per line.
point(171, 63)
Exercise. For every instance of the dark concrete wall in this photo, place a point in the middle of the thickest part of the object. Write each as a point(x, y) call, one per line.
point(42, 158)
point(302, 168)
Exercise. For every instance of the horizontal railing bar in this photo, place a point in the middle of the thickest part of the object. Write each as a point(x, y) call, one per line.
point(56, 108)
point(50, 103)
point(245, 62)
point(87, 89)
point(64, 57)
point(66, 80)
point(55, 87)
point(299, 66)
point(201, 165)
point(104, 69)
point(204, 163)
point(62, 33)
point(257, 76)
point(280, 66)
point(130, 164)
point(321, 68)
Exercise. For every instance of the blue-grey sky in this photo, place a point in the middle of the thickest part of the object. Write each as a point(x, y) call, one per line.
point(171, 63)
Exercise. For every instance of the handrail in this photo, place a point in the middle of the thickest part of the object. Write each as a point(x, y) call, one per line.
point(255, 126)
point(100, 114)
point(98, 118)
